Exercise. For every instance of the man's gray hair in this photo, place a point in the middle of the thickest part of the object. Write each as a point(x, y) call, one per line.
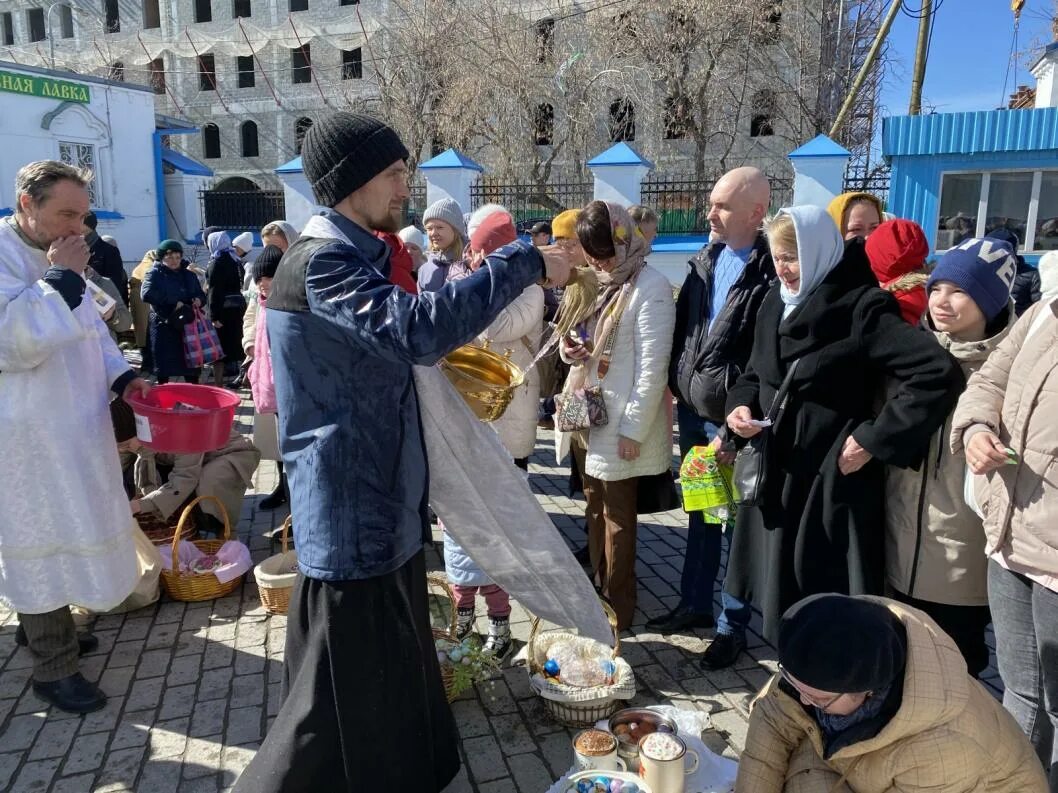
point(38, 178)
point(641, 214)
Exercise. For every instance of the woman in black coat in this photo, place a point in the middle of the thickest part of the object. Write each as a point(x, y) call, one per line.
point(820, 527)
point(171, 289)
point(225, 300)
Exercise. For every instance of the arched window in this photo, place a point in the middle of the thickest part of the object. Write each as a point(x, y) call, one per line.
point(210, 142)
point(117, 71)
point(622, 121)
point(301, 128)
point(249, 139)
point(760, 123)
point(544, 124)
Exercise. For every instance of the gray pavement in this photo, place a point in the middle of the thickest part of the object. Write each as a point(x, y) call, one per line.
point(194, 687)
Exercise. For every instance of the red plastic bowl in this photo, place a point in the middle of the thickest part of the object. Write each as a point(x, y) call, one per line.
point(180, 432)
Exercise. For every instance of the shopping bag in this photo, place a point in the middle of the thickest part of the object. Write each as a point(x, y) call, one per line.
point(706, 484)
point(201, 342)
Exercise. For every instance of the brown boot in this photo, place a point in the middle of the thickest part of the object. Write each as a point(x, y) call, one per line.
point(218, 374)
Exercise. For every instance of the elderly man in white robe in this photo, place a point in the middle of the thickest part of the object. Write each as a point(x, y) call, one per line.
point(66, 529)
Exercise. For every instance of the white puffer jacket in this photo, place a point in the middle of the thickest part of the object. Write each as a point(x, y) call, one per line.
point(522, 318)
point(634, 386)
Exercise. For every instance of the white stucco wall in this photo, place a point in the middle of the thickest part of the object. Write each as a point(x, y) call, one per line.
point(118, 122)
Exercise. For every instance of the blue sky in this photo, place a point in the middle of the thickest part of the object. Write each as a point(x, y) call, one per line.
point(968, 56)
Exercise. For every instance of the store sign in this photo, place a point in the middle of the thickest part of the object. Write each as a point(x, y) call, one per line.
point(46, 87)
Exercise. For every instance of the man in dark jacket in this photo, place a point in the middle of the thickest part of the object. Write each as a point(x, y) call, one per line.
point(106, 258)
point(364, 706)
point(715, 317)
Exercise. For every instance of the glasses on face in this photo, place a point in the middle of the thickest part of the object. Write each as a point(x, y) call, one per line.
point(805, 696)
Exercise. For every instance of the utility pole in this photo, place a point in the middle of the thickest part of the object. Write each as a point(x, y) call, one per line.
point(919, 74)
point(865, 70)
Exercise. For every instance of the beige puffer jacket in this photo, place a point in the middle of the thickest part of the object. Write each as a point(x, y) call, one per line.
point(949, 735)
point(934, 542)
point(1015, 395)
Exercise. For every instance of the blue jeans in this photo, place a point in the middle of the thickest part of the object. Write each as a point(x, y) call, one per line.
point(701, 564)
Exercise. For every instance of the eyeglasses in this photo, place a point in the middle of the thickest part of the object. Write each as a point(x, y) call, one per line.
point(807, 697)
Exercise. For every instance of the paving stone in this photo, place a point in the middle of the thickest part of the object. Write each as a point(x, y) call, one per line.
point(125, 654)
point(244, 726)
point(133, 730)
point(53, 740)
point(121, 769)
point(169, 738)
point(154, 663)
point(86, 754)
point(208, 718)
point(74, 784)
point(177, 701)
point(215, 684)
point(471, 718)
point(8, 764)
point(21, 731)
point(530, 773)
point(485, 759)
point(202, 756)
point(145, 694)
point(247, 690)
point(160, 777)
point(512, 734)
point(217, 655)
point(35, 776)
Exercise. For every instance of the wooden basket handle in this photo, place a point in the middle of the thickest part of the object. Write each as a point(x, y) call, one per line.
point(536, 668)
point(288, 524)
point(441, 582)
point(186, 515)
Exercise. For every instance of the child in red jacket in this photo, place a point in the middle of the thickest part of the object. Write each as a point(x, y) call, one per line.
point(897, 250)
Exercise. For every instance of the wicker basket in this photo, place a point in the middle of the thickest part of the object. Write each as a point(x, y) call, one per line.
point(275, 579)
point(160, 530)
point(189, 586)
point(576, 714)
point(447, 675)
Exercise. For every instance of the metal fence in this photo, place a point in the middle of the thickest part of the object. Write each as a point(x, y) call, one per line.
point(866, 178)
point(531, 202)
point(242, 210)
point(682, 204)
point(415, 206)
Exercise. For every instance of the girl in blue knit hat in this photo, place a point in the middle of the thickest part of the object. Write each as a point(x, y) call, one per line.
point(935, 556)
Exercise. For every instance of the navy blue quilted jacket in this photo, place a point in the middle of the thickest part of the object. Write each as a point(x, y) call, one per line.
point(344, 340)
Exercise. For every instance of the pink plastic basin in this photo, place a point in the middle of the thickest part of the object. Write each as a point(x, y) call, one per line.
point(164, 429)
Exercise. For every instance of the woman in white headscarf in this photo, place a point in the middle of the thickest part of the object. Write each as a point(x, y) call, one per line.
point(819, 527)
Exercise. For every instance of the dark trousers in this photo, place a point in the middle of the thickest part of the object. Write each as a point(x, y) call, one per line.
point(364, 707)
point(1025, 619)
point(965, 624)
point(52, 643)
point(612, 525)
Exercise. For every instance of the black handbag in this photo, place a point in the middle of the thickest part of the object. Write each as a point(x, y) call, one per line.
point(656, 493)
point(751, 463)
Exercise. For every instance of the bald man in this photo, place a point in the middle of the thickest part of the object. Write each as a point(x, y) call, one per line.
point(715, 317)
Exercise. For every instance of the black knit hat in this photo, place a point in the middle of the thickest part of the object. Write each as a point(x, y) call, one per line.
point(266, 264)
point(344, 151)
point(123, 419)
point(842, 644)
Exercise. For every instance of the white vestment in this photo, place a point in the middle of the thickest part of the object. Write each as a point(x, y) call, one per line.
point(65, 523)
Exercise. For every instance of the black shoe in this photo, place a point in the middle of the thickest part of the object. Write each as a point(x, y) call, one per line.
point(86, 642)
point(275, 500)
point(73, 694)
point(723, 651)
point(583, 556)
point(679, 619)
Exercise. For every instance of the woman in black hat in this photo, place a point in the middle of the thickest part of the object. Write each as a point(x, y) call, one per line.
point(172, 291)
point(871, 696)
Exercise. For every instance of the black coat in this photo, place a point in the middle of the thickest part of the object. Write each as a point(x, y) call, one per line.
point(1026, 288)
point(818, 530)
point(706, 361)
point(226, 303)
point(162, 289)
point(105, 259)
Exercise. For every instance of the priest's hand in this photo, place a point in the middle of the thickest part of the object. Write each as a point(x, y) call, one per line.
point(70, 253)
point(853, 457)
point(137, 386)
point(557, 265)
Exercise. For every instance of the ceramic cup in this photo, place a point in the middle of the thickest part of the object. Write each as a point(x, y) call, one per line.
point(596, 750)
point(663, 762)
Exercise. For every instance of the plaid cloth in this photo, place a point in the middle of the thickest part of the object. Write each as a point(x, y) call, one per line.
point(201, 343)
